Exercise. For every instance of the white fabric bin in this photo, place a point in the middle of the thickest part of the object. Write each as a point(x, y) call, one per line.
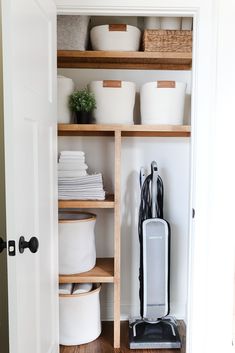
point(79, 317)
point(115, 101)
point(115, 37)
point(162, 102)
point(77, 252)
point(72, 32)
point(65, 87)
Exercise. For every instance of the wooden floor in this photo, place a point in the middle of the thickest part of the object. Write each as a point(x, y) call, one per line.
point(104, 343)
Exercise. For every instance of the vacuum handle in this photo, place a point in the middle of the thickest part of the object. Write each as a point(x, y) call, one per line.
point(154, 173)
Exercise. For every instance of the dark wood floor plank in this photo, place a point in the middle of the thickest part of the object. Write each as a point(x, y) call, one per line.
point(104, 344)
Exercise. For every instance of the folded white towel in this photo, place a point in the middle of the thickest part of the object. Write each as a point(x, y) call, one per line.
point(72, 166)
point(83, 180)
point(71, 173)
point(65, 288)
point(79, 288)
point(72, 153)
point(71, 159)
point(81, 196)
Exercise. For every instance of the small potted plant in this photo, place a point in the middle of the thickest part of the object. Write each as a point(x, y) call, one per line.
point(82, 103)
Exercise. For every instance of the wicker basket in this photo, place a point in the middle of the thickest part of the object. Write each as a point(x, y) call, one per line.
point(167, 41)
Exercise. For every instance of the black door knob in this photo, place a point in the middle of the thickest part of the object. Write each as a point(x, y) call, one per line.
point(32, 244)
point(3, 245)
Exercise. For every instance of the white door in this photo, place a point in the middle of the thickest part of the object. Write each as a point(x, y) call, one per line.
point(29, 74)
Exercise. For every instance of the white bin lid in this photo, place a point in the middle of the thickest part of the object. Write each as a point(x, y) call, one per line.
point(75, 216)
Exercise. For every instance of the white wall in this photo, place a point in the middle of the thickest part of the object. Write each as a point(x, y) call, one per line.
point(172, 156)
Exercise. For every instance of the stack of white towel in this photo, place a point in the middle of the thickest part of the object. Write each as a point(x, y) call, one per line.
point(73, 180)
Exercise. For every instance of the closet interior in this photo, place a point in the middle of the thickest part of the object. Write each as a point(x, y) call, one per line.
point(118, 151)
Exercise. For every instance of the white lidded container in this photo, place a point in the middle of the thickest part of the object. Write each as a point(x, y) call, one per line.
point(171, 23)
point(72, 32)
point(115, 37)
point(77, 252)
point(79, 317)
point(115, 101)
point(65, 87)
point(162, 102)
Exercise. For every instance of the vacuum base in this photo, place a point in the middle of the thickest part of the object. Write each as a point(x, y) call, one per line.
point(161, 335)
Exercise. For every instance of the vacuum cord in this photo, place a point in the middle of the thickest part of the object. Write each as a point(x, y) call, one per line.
point(145, 212)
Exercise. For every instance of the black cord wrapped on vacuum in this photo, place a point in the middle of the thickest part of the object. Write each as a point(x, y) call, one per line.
point(145, 212)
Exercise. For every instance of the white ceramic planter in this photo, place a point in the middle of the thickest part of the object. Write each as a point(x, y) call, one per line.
point(72, 32)
point(65, 87)
point(162, 102)
point(173, 23)
point(77, 252)
point(79, 317)
point(115, 37)
point(115, 101)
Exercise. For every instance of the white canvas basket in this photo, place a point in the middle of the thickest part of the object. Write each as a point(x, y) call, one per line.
point(115, 37)
point(79, 317)
point(115, 101)
point(77, 252)
point(162, 102)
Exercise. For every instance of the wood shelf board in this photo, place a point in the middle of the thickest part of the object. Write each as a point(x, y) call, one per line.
point(104, 344)
point(103, 272)
point(107, 203)
point(124, 60)
point(126, 130)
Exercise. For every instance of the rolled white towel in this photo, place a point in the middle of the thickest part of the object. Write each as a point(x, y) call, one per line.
point(79, 288)
point(65, 288)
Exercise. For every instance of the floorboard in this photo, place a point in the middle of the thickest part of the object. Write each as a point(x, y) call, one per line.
point(104, 344)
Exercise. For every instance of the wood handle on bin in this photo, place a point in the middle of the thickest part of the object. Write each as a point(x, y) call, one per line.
point(112, 83)
point(165, 84)
point(117, 27)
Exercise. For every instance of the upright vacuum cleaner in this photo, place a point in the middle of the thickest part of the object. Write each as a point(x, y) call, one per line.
point(155, 329)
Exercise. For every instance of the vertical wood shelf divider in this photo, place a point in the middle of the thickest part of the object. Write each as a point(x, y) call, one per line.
point(117, 237)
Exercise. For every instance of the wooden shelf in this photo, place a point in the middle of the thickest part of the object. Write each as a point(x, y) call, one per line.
point(126, 130)
point(138, 60)
point(103, 272)
point(107, 203)
point(104, 343)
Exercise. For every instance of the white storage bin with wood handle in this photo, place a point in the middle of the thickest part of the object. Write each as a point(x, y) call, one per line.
point(77, 252)
point(116, 37)
point(115, 101)
point(79, 317)
point(162, 102)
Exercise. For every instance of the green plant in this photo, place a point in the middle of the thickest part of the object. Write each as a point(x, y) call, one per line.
point(82, 101)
